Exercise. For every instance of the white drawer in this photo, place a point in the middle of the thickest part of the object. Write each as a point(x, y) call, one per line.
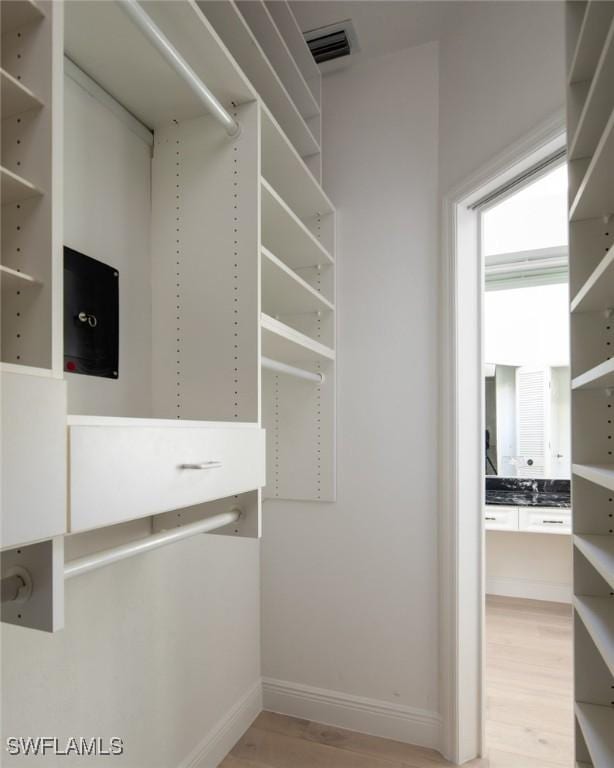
point(500, 518)
point(120, 473)
point(545, 520)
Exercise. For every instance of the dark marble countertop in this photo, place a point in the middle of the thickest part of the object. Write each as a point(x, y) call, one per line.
point(524, 499)
point(528, 492)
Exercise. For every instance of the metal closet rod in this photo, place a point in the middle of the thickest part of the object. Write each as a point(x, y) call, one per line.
point(108, 556)
point(12, 585)
point(291, 370)
point(155, 36)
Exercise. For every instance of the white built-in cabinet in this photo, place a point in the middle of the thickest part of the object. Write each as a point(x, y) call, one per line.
point(590, 120)
point(225, 254)
point(499, 517)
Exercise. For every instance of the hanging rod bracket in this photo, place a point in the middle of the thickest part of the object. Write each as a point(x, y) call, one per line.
point(33, 585)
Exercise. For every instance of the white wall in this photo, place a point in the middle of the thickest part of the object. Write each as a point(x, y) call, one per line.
point(350, 589)
point(156, 649)
point(501, 74)
point(534, 565)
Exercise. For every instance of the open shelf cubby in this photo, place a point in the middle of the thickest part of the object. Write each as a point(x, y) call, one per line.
point(30, 80)
point(599, 551)
point(245, 47)
point(596, 109)
point(594, 19)
point(597, 292)
point(597, 725)
point(260, 20)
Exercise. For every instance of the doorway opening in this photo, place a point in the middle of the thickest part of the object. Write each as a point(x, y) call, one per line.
point(462, 457)
point(528, 710)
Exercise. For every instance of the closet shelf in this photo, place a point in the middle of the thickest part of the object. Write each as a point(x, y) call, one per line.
point(597, 725)
point(291, 32)
point(597, 104)
point(15, 188)
point(600, 474)
point(595, 195)
point(15, 279)
point(81, 420)
point(16, 14)
point(265, 30)
point(599, 551)
point(285, 235)
point(597, 615)
point(280, 342)
point(286, 171)
point(597, 378)
point(103, 41)
point(284, 292)
point(597, 293)
point(239, 39)
point(593, 32)
point(16, 98)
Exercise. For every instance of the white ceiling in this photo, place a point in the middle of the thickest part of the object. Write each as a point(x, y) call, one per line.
point(381, 26)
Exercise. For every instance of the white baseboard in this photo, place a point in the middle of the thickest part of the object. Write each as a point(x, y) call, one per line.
point(532, 590)
point(356, 713)
point(214, 747)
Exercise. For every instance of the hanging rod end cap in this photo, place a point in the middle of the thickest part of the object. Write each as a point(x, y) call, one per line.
point(234, 130)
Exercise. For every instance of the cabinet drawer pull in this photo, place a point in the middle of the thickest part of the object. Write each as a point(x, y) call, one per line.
point(554, 522)
point(490, 518)
point(202, 465)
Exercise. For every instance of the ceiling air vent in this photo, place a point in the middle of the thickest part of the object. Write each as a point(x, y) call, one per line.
point(331, 42)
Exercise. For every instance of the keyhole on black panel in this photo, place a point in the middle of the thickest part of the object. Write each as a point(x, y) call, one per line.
point(86, 317)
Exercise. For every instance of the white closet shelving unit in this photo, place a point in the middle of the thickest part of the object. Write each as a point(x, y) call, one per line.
point(233, 233)
point(271, 61)
point(590, 43)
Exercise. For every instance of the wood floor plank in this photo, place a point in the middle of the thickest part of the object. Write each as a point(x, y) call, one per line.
point(386, 749)
point(234, 762)
point(555, 658)
point(289, 726)
point(383, 749)
point(279, 751)
point(498, 759)
point(506, 706)
point(529, 684)
point(530, 741)
point(512, 604)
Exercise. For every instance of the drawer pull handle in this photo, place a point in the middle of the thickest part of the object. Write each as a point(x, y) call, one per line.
point(490, 518)
point(202, 465)
point(554, 522)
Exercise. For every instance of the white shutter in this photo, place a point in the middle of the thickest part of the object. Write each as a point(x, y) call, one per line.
point(533, 421)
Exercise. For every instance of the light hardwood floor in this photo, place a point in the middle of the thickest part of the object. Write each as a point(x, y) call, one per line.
point(528, 710)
